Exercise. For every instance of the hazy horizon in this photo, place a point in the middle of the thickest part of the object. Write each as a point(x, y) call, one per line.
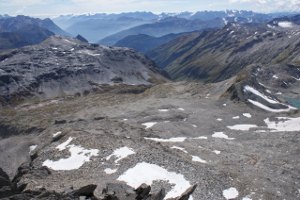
point(52, 8)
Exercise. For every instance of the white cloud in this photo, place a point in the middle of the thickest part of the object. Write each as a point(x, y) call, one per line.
point(271, 5)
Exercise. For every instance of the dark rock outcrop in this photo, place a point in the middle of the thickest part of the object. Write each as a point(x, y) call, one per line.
point(124, 192)
point(81, 38)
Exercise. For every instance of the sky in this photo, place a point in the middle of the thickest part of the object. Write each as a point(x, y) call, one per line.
point(51, 8)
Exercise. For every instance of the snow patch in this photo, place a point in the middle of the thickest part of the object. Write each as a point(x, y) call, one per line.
point(179, 148)
point(248, 115)
point(175, 139)
point(79, 156)
point(64, 145)
point(136, 176)
point(275, 76)
point(198, 159)
point(181, 109)
point(247, 88)
point(57, 134)
point(230, 193)
point(121, 153)
point(201, 138)
point(32, 148)
point(236, 117)
point(246, 198)
point(242, 127)
point(264, 107)
point(163, 110)
point(283, 124)
point(219, 119)
point(221, 135)
point(149, 124)
point(216, 152)
point(285, 24)
point(110, 171)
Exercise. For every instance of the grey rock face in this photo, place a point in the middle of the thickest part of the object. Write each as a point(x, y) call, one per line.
point(63, 66)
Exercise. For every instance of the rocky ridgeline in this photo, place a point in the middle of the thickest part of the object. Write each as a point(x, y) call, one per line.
point(62, 66)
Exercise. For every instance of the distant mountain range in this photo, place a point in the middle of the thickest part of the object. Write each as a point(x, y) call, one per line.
point(22, 30)
point(164, 27)
point(98, 26)
point(110, 28)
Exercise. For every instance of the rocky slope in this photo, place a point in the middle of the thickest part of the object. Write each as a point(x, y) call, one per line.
point(54, 67)
point(172, 136)
point(218, 55)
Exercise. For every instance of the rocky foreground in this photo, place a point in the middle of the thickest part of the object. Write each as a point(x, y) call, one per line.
point(171, 136)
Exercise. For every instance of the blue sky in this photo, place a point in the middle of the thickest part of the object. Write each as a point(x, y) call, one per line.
point(57, 7)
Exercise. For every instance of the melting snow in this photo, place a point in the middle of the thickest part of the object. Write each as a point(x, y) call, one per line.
point(236, 117)
point(121, 153)
point(64, 145)
point(32, 148)
point(275, 76)
point(195, 126)
point(285, 24)
point(219, 119)
point(163, 110)
point(176, 139)
point(217, 152)
point(256, 92)
point(264, 107)
point(149, 124)
point(179, 148)
point(110, 171)
point(136, 176)
point(248, 115)
point(78, 157)
point(221, 135)
point(230, 193)
point(242, 127)
point(283, 124)
point(198, 159)
point(89, 52)
point(201, 138)
point(182, 109)
point(246, 198)
point(57, 134)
